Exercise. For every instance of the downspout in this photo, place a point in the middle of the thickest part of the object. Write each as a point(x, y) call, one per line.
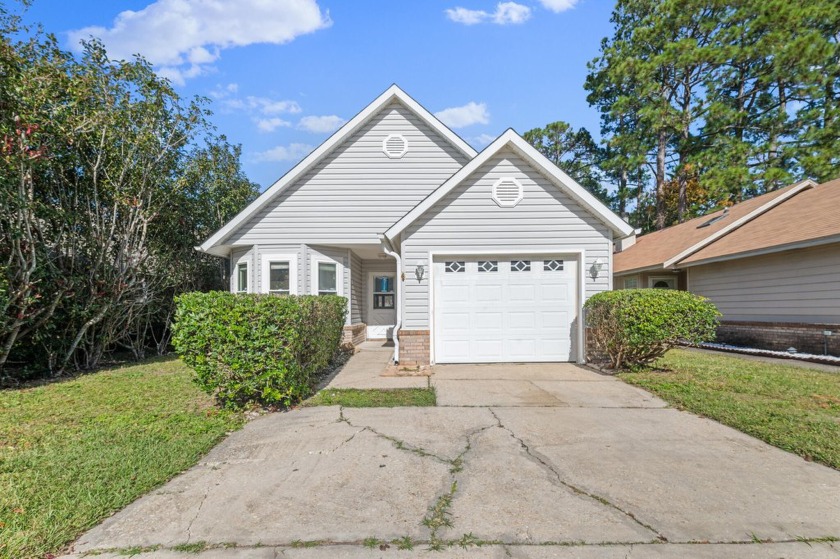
point(386, 247)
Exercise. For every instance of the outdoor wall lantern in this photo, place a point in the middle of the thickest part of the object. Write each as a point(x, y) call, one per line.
point(419, 272)
point(596, 268)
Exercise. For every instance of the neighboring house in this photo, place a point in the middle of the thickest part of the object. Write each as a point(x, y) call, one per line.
point(771, 265)
point(466, 257)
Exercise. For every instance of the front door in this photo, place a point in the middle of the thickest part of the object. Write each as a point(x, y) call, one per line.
point(382, 307)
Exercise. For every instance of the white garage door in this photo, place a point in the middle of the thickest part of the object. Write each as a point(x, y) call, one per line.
point(504, 308)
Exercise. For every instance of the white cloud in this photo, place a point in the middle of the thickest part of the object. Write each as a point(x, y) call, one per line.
point(271, 124)
point(224, 91)
point(506, 13)
point(481, 140)
point(459, 117)
point(465, 16)
point(292, 152)
point(511, 12)
point(321, 124)
point(262, 105)
point(183, 37)
point(558, 6)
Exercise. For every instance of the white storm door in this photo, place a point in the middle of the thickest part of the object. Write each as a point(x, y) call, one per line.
point(382, 305)
point(504, 308)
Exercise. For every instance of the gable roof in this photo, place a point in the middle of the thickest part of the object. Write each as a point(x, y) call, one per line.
point(666, 247)
point(513, 140)
point(810, 217)
point(212, 245)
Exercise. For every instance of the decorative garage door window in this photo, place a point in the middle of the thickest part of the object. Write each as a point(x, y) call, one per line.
point(383, 292)
point(455, 266)
point(520, 266)
point(488, 266)
point(553, 266)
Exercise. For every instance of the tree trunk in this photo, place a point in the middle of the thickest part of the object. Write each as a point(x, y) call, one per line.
point(660, 179)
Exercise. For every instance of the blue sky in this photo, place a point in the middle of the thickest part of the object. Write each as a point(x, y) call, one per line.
point(283, 74)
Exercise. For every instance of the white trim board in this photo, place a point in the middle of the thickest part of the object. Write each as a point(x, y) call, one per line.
point(796, 189)
point(762, 251)
point(213, 244)
point(511, 139)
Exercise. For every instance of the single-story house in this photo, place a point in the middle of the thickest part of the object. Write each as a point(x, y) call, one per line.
point(458, 256)
point(771, 264)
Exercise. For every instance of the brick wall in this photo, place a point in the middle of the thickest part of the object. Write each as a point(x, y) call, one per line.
point(414, 347)
point(354, 334)
point(779, 336)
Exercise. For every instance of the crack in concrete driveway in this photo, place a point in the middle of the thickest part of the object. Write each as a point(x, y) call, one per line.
point(537, 462)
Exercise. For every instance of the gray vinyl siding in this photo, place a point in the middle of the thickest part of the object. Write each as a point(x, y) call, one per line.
point(357, 192)
point(296, 250)
point(382, 265)
point(357, 284)
point(238, 256)
point(800, 285)
point(468, 219)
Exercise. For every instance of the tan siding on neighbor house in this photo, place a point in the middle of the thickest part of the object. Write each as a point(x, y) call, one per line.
point(468, 219)
point(357, 192)
point(795, 286)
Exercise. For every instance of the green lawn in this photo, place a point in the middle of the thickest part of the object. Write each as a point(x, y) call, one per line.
point(73, 452)
point(373, 398)
point(790, 407)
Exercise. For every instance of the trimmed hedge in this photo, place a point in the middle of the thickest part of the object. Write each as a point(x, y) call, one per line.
point(257, 349)
point(635, 326)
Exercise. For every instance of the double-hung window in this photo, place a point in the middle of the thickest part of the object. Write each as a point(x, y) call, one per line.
point(279, 274)
point(327, 278)
point(242, 277)
point(279, 281)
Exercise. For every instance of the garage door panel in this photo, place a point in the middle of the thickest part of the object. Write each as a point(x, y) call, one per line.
point(454, 293)
point(555, 319)
point(521, 349)
point(453, 322)
point(499, 314)
point(522, 320)
point(488, 321)
point(488, 292)
point(521, 293)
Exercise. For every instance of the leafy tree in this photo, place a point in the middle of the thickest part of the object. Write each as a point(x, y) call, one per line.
point(574, 151)
point(109, 179)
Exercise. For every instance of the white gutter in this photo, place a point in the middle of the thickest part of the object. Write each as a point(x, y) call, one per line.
point(386, 248)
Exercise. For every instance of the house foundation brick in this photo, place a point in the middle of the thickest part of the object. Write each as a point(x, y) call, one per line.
point(779, 336)
point(354, 334)
point(414, 347)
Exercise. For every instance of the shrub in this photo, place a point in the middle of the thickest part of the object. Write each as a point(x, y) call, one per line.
point(261, 349)
point(635, 326)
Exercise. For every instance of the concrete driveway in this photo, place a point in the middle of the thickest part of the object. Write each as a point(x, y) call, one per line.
point(522, 461)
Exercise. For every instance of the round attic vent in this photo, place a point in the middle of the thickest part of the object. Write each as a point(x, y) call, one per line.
point(395, 146)
point(507, 192)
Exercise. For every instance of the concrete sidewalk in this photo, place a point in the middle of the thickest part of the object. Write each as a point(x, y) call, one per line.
point(522, 461)
point(366, 367)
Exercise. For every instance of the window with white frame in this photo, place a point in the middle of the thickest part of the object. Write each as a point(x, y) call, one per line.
point(279, 274)
point(631, 283)
point(242, 277)
point(383, 292)
point(327, 278)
